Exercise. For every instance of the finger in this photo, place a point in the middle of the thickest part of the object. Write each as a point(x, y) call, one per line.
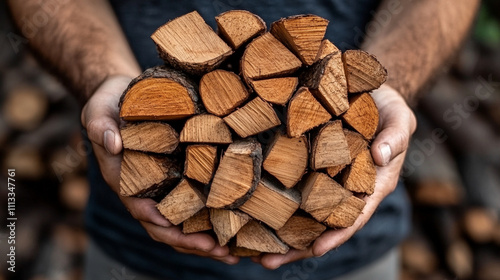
point(144, 209)
point(173, 236)
point(109, 166)
point(274, 261)
point(228, 259)
point(103, 130)
point(397, 123)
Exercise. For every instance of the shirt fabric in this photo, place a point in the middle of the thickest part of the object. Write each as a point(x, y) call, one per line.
point(119, 235)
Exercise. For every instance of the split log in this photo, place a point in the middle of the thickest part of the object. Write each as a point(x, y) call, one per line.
point(346, 212)
point(190, 44)
point(257, 237)
point(183, 202)
point(363, 71)
point(238, 26)
point(159, 94)
point(287, 158)
point(362, 115)
point(360, 176)
point(25, 108)
point(206, 128)
point(237, 175)
point(299, 232)
point(222, 91)
point(417, 256)
point(356, 144)
point(320, 195)
point(74, 192)
point(304, 113)
point(227, 223)
point(276, 90)
point(271, 204)
point(200, 162)
point(266, 57)
point(327, 48)
point(329, 147)
point(198, 222)
point(326, 80)
point(145, 175)
point(256, 116)
point(27, 161)
point(302, 34)
point(154, 137)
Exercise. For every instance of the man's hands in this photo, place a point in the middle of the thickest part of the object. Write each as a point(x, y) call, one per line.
point(397, 124)
point(100, 117)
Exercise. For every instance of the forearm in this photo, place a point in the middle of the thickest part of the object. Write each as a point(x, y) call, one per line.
point(418, 39)
point(81, 40)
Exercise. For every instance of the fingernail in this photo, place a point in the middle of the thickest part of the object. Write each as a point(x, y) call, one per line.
point(109, 139)
point(385, 151)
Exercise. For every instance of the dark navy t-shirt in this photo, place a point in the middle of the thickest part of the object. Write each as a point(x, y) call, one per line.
point(123, 238)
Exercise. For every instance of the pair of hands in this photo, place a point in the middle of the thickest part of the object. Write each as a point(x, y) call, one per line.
point(100, 117)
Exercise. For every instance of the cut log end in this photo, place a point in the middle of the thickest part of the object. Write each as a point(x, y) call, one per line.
point(238, 26)
point(360, 176)
point(304, 113)
point(222, 91)
point(198, 222)
point(329, 147)
point(277, 90)
point(200, 162)
point(206, 128)
point(237, 175)
point(363, 71)
point(181, 203)
point(346, 212)
point(362, 115)
point(227, 223)
point(145, 175)
point(256, 236)
point(154, 137)
point(300, 232)
point(188, 43)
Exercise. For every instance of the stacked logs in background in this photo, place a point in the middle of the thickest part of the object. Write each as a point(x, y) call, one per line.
point(261, 136)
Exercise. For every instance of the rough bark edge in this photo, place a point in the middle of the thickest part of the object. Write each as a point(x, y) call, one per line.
point(172, 74)
point(256, 156)
point(174, 175)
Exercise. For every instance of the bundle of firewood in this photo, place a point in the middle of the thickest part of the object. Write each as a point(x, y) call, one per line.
point(195, 130)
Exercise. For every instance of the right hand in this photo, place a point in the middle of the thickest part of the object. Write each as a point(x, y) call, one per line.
point(100, 116)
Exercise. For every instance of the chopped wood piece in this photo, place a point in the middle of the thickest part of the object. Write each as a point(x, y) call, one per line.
point(257, 237)
point(363, 71)
point(181, 203)
point(237, 175)
point(304, 113)
point(302, 34)
point(332, 171)
point(418, 256)
point(271, 204)
point(266, 57)
point(145, 175)
point(356, 143)
point(239, 26)
point(320, 195)
point(198, 222)
point(299, 232)
point(242, 252)
point(287, 159)
point(200, 162)
point(327, 48)
point(326, 80)
point(256, 116)
point(329, 147)
point(24, 108)
point(459, 258)
point(154, 137)
point(206, 128)
point(362, 115)
point(360, 175)
point(188, 43)
point(159, 94)
point(479, 224)
point(346, 212)
point(222, 91)
point(227, 223)
point(276, 90)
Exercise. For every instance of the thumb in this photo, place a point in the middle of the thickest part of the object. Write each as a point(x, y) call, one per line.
point(100, 116)
point(397, 124)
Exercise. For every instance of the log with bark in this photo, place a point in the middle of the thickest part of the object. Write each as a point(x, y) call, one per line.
point(267, 157)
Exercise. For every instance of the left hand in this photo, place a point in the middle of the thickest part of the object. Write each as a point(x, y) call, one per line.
point(396, 125)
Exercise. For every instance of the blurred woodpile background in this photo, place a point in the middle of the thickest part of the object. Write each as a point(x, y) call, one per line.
point(452, 169)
